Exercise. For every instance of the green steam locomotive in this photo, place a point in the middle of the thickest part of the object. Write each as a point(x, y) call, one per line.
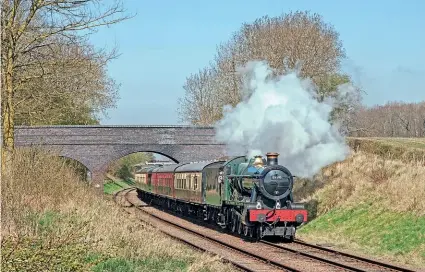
point(251, 197)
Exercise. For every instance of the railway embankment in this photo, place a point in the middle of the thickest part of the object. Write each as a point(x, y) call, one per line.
point(373, 203)
point(52, 222)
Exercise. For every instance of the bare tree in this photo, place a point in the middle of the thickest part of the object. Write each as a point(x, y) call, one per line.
point(294, 40)
point(31, 33)
point(394, 119)
point(199, 106)
point(75, 93)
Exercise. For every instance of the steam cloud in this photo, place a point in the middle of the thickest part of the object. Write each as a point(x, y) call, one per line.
point(281, 114)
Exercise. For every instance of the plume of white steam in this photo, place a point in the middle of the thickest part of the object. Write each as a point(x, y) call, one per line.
point(280, 114)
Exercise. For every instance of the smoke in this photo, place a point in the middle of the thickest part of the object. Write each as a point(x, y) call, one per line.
point(281, 114)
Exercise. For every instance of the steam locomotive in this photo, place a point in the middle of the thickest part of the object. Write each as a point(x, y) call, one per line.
point(251, 197)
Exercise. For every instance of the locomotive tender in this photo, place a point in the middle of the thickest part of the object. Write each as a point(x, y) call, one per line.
point(250, 197)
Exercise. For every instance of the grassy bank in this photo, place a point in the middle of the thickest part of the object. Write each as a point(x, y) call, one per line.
point(372, 230)
point(407, 150)
point(370, 204)
point(52, 222)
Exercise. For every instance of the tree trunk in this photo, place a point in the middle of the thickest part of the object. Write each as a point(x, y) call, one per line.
point(8, 120)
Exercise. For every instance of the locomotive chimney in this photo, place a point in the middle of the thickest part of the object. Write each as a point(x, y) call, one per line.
point(272, 158)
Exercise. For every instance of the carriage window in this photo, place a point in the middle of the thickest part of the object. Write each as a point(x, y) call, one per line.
point(195, 182)
point(179, 183)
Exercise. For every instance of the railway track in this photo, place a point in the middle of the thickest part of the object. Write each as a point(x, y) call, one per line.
point(261, 256)
point(240, 259)
point(342, 259)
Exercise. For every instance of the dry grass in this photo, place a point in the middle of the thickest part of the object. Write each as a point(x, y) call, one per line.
point(45, 209)
point(370, 203)
point(367, 177)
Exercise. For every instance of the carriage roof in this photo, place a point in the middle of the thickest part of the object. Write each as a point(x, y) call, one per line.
point(198, 166)
point(147, 169)
point(167, 168)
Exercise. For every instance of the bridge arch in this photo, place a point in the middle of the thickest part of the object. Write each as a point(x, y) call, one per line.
point(125, 152)
point(71, 158)
point(84, 173)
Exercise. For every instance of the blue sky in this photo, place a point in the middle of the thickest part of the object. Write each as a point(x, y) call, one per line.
point(168, 40)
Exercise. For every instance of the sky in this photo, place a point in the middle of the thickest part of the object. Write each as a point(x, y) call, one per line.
point(166, 41)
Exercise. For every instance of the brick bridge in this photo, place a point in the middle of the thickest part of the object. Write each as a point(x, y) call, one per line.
point(97, 146)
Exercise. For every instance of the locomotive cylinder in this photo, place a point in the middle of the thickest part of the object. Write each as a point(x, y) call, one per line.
point(272, 158)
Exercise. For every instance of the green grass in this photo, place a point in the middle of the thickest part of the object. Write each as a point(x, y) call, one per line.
point(148, 264)
point(111, 187)
point(123, 183)
point(378, 231)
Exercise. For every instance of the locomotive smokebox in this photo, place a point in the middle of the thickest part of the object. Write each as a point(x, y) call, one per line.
point(272, 158)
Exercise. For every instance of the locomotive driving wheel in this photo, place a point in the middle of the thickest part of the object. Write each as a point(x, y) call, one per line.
point(251, 232)
point(234, 224)
point(245, 230)
point(240, 227)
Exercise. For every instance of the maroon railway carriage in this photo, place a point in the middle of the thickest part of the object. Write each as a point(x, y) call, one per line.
point(163, 179)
